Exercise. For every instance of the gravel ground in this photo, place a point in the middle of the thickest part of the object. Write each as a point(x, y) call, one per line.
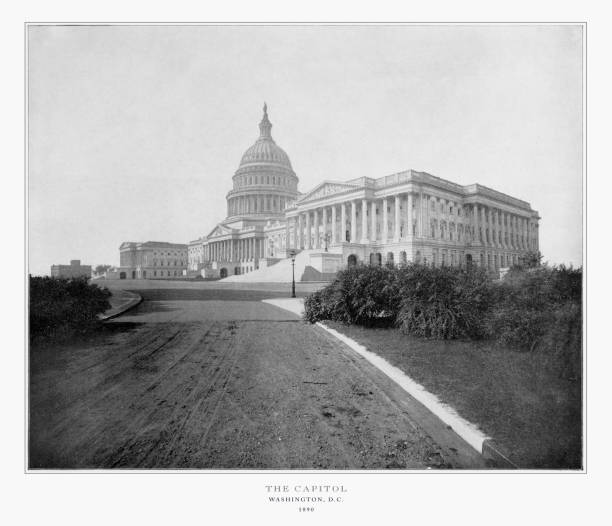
point(217, 379)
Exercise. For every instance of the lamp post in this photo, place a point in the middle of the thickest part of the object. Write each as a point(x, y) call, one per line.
point(292, 254)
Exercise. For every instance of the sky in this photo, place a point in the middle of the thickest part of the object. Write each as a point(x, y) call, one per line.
point(134, 132)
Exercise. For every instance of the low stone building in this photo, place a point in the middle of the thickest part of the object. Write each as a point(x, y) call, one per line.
point(151, 260)
point(74, 270)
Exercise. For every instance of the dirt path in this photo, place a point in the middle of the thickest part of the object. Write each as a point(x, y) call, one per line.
point(214, 383)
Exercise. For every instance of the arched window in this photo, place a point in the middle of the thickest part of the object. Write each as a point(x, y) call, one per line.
point(390, 259)
point(403, 258)
point(417, 257)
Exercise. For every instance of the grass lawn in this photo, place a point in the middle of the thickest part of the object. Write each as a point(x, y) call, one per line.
point(514, 397)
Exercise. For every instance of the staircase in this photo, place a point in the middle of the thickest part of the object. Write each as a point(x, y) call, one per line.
point(280, 272)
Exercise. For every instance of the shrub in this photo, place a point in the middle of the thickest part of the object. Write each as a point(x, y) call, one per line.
point(526, 302)
point(445, 303)
point(536, 309)
point(363, 295)
point(65, 306)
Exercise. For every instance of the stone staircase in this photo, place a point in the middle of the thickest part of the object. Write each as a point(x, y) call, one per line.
point(280, 272)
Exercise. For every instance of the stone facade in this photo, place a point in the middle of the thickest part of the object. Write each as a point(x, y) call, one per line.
point(404, 217)
point(74, 270)
point(151, 260)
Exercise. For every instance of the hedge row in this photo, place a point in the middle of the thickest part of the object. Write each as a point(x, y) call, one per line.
point(530, 309)
point(65, 306)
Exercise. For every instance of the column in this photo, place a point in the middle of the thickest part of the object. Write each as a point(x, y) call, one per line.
point(421, 215)
point(373, 221)
point(364, 221)
point(324, 238)
point(484, 225)
point(334, 238)
point(353, 222)
point(397, 220)
point(475, 222)
point(316, 229)
point(300, 233)
point(409, 226)
point(343, 222)
point(308, 232)
point(529, 234)
point(385, 225)
point(426, 227)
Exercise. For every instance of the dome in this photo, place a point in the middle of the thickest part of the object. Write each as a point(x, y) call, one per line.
point(265, 150)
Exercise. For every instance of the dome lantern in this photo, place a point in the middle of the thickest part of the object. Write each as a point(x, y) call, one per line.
point(265, 126)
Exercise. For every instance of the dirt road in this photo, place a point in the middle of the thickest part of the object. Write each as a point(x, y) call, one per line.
point(217, 379)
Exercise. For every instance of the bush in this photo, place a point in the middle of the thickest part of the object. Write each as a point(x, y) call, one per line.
point(444, 303)
point(433, 302)
point(540, 310)
point(526, 302)
point(537, 309)
point(363, 295)
point(65, 306)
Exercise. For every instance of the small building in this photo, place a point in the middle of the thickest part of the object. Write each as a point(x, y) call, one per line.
point(74, 270)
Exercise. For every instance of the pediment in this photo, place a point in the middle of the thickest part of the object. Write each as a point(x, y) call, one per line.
point(327, 188)
point(220, 230)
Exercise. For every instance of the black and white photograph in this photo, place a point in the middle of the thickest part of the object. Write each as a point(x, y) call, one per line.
point(326, 248)
point(294, 255)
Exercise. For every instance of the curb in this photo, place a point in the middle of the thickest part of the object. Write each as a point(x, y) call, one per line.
point(128, 305)
point(468, 431)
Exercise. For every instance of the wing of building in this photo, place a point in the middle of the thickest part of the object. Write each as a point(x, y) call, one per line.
point(404, 217)
point(150, 260)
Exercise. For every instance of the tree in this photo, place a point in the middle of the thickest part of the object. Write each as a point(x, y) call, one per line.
point(532, 259)
point(100, 269)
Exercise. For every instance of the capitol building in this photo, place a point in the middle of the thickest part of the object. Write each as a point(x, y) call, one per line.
point(409, 216)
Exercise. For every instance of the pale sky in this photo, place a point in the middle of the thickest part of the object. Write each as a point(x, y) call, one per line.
point(135, 132)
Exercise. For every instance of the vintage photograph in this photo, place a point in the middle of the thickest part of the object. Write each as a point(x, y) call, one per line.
point(305, 247)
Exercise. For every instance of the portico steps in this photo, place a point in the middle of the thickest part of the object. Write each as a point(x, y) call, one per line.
point(280, 272)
